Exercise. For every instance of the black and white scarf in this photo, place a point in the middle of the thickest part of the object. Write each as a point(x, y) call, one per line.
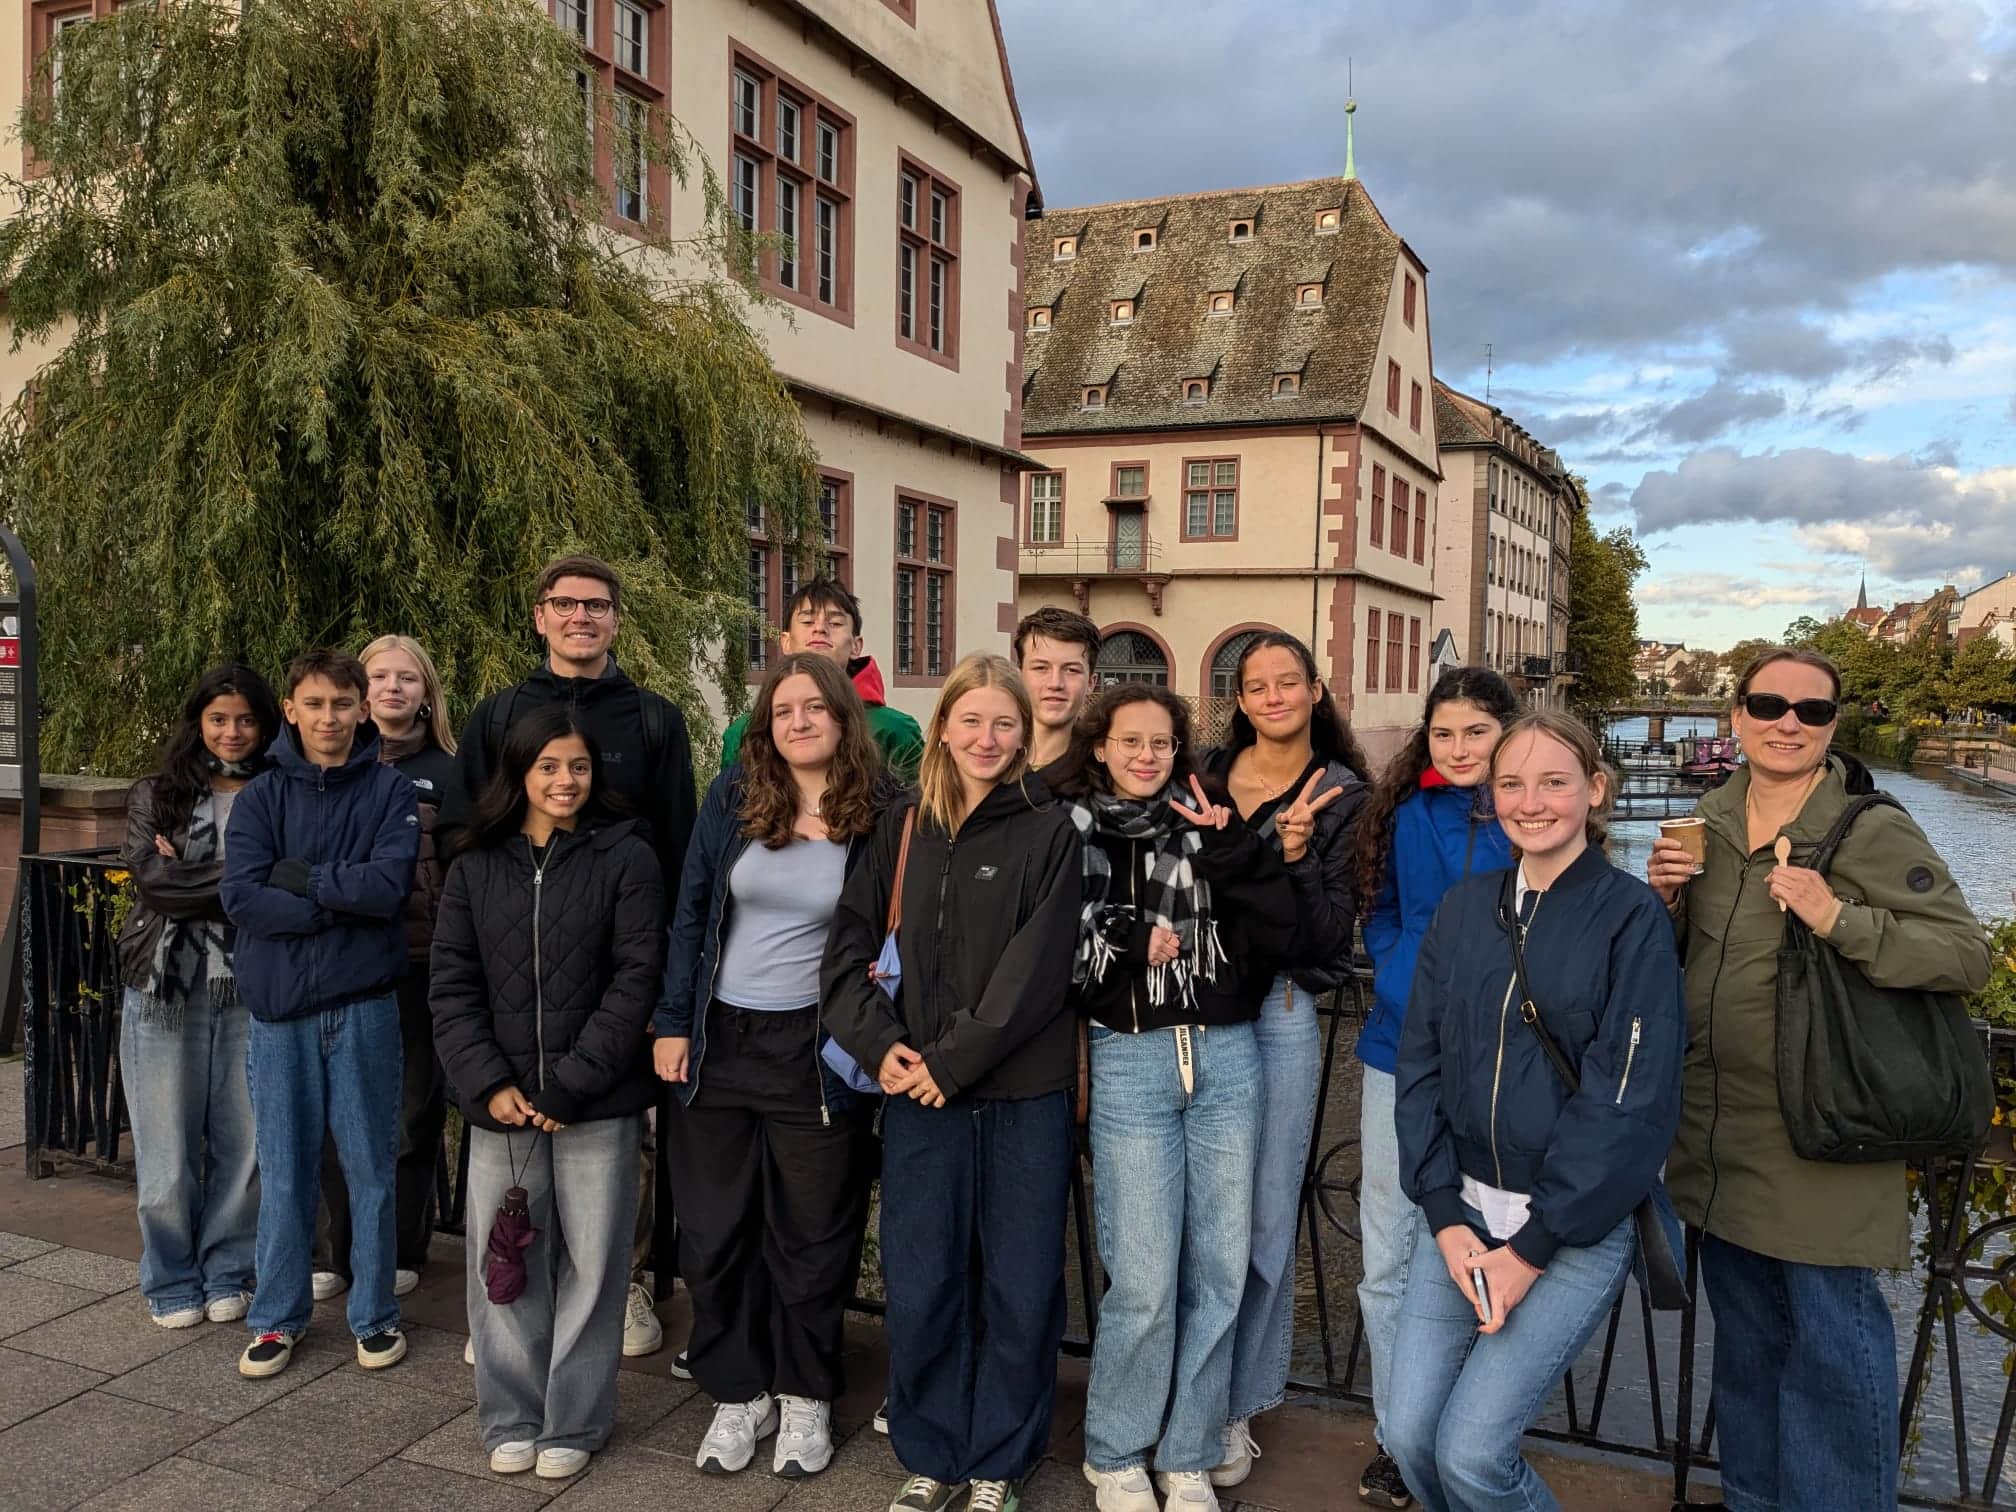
point(1171, 893)
point(192, 952)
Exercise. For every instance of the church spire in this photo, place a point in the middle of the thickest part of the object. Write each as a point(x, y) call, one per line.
point(1350, 142)
point(1862, 598)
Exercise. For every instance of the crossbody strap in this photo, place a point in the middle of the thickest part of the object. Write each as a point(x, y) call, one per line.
point(1529, 1011)
point(902, 865)
point(1823, 853)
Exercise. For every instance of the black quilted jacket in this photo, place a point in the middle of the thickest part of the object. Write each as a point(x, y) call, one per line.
point(547, 979)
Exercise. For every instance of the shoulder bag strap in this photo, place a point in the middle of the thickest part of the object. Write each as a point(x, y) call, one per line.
point(1529, 1011)
point(1823, 853)
point(902, 864)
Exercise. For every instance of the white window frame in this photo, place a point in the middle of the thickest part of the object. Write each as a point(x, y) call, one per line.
point(632, 121)
point(633, 38)
point(575, 17)
point(746, 192)
point(790, 204)
point(1046, 508)
point(748, 105)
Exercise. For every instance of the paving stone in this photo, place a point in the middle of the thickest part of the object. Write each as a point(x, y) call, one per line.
point(114, 1334)
point(17, 1247)
point(29, 1383)
point(27, 1301)
point(842, 1488)
point(458, 1446)
point(180, 1485)
point(401, 1486)
point(203, 1379)
point(85, 1445)
point(13, 1107)
point(642, 1480)
point(433, 1363)
point(328, 1432)
point(104, 1274)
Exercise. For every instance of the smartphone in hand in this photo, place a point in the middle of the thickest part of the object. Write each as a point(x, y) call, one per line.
point(1483, 1293)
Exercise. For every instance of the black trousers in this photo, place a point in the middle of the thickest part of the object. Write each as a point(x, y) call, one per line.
point(771, 1203)
point(423, 1109)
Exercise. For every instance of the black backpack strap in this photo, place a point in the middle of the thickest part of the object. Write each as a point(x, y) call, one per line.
point(651, 709)
point(1823, 853)
point(501, 709)
point(1529, 1011)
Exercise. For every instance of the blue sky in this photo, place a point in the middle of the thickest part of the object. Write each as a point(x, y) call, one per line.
point(1751, 267)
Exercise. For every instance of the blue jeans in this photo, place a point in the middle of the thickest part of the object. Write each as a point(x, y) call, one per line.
point(546, 1362)
point(1289, 1040)
point(1455, 1415)
point(198, 1173)
point(1173, 1193)
point(1805, 1383)
point(973, 1199)
point(338, 1069)
point(1389, 1226)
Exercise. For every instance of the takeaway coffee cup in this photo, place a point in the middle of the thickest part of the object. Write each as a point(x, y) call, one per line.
point(1693, 837)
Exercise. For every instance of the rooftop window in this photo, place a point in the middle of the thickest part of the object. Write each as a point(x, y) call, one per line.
point(1064, 249)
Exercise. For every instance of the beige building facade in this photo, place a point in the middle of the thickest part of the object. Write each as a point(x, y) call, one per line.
point(1506, 512)
point(1227, 397)
point(883, 139)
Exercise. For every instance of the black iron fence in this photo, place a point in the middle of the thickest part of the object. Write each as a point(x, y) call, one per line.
point(1644, 1367)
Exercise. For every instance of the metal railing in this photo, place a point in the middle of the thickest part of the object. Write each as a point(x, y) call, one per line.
point(1080, 558)
point(75, 1117)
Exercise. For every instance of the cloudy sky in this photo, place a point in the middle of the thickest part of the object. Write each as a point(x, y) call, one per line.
point(1750, 266)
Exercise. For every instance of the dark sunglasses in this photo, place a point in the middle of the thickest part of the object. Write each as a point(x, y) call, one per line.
point(1770, 708)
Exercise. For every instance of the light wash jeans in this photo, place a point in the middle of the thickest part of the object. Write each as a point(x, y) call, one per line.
point(546, 1362)
point(1289, 1039)
point(1455, 1415)
point(197, 1169)
point(1389, 1225)
point(1172, 1182)
point(336, 1069)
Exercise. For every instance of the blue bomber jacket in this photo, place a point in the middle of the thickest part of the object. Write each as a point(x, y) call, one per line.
point(1475, 1093)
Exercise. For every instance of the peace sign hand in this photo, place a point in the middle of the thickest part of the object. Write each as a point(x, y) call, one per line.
point(1297, 822)
point(1207, 815)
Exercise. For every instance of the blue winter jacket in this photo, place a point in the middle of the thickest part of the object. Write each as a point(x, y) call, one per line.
point(700, 921)
point(358, 828)
point(1475, 1093)
point(1439, 838)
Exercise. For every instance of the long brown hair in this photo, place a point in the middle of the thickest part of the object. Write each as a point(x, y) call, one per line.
point(1575, 735)
point(770, 792)
point(941, 796)
point(1402, 777)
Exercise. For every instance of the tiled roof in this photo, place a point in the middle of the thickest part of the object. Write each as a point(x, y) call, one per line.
point(1173, 337)
point(1459, 419)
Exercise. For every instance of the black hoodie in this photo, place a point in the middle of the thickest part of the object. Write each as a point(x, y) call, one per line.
point(990, 920)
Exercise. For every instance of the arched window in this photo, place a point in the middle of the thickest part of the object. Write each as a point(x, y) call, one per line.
point(1128, 656)
point(1225, 665)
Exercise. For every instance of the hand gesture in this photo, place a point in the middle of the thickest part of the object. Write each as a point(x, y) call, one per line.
point(1807, 894)
point(925, 1088)
point(163, 848)
point(669, 1056)
point(1207, 815)
point(510, 1108)
point(899, 1070)
point(1164, 946)
point(1669, 869)
point(1297, 822)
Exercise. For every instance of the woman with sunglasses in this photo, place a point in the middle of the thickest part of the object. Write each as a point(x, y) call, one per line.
point(1805, 1356)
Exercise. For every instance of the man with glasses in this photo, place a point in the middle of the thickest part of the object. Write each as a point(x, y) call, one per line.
point(647, 760)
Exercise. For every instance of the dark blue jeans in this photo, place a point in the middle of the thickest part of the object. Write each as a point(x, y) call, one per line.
point(1805, 1383)
point(973, 1200)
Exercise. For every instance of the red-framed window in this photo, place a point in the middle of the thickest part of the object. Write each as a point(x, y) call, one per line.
point(1378, 509)
point(774, 573)
point(1394, 627)
point(1420, 524)
point(1372, 623)
point(626, 55)
point(1210, 499)
point(1399, 515)
point(926, 587)
point(791, 175)
point(1392, 386)
point(927, 262)
point(1413, 655)
point(1407, 300)
point(1414, 407)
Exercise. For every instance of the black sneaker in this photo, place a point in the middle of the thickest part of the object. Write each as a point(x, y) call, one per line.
point(681, 1367)
point(266, 1355)
point(1381, 1485)
point(381, 1349)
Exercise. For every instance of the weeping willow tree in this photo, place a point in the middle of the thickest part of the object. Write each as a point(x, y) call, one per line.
point(346, 349)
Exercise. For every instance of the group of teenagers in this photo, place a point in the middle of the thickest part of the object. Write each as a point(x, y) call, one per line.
point(954, 957)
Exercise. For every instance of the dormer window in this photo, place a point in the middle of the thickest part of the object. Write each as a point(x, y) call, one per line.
point(1123, 312)
point(1094, 397)
point(1308, 296)
point(1196, 390)
point(1064, 249)
point(1039, 317)
point(1242, 230)
point(1287, 385)
point(1328, 221)
point(1221, 302)
point(1144, 239)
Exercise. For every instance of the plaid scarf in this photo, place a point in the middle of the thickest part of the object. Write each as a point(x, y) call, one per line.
point(191, 952)
point(1170, 895)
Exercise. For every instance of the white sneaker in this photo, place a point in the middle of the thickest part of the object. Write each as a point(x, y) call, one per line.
point(804, 1437)
point(1123, 1490)
point(469, 1350)
point(403, 1281)
point(558, 1464)
point(642, 1332)
point(514, 1458)
point(1187, 1491)
point(181, 1317)
point(1240, 1452)
point(993, 1496)
point(228, 1309)
point(733, 1435)
point(327, 1284)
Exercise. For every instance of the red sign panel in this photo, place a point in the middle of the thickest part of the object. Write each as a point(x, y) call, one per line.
point(10, 652)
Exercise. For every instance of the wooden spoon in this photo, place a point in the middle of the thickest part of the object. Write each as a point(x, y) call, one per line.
point(1782, 849)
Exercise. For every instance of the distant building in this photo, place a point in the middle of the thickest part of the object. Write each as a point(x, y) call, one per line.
point(1862, 617)
point(1992, 603)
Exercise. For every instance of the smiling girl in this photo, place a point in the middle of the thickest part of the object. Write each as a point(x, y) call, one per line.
point(977, 1055)
point(1522, 1183)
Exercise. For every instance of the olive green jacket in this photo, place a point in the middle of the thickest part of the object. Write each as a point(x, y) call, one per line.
point(1903, 922)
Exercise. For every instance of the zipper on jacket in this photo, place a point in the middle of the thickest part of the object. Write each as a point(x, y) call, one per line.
point(1637, 1026)
point(538, 972)
point(1498, 1070)
point(1134, 900)
point(1714, 1064)
point(700, 1008)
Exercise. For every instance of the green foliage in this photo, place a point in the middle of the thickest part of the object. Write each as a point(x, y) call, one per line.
point(1982, 675)
point(1602, 618)
point(350, 351)
point(1802, 630)
point(1912, 677)
point(1739, 656)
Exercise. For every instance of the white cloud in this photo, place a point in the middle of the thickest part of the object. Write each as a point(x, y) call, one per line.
point(1719, 588)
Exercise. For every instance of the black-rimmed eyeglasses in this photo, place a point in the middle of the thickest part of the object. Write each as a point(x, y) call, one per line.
point(595, 608)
